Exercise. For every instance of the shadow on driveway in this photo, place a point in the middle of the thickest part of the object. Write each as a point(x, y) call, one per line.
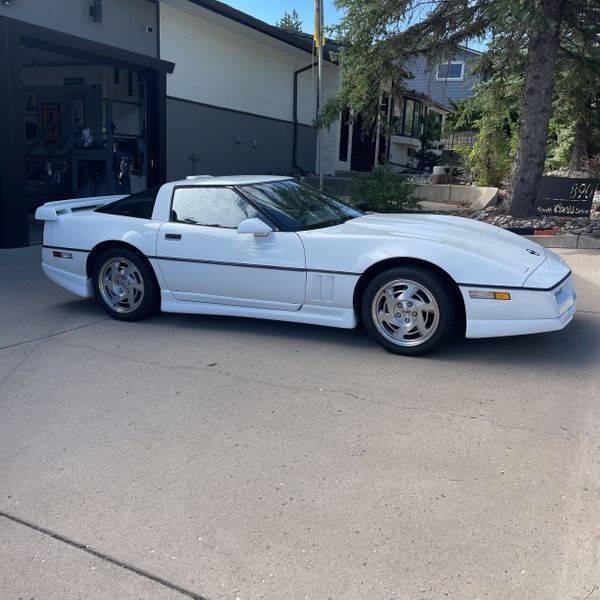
point(577, 346)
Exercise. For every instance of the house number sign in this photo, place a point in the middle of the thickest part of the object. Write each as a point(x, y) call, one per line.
point(565, 196)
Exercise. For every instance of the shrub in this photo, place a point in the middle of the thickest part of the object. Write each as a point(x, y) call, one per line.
point(489, 160)
point(384, 191)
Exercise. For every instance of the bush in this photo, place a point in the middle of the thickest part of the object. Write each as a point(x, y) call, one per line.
point(384, 191)
point(488, 162)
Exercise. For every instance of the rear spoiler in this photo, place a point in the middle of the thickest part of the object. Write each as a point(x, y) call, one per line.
point(52, 210)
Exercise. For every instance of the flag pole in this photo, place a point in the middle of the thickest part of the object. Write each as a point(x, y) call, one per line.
point(319, 40)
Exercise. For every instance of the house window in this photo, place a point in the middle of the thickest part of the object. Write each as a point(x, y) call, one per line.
point(450, 71)
point(407, 118)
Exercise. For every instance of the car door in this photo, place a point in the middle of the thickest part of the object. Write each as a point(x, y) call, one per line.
point(203, 258)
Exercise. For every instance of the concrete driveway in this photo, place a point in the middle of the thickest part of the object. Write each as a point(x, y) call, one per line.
point(225, 458)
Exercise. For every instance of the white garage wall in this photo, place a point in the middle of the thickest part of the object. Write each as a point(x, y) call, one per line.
point(218, 64)
point(331, 135)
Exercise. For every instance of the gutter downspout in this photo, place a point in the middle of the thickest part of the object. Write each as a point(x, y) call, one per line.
point(295, 164)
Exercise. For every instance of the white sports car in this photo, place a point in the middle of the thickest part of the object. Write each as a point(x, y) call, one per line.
point(273, 248)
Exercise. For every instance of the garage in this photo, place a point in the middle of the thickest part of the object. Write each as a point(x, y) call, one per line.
point(79, 117)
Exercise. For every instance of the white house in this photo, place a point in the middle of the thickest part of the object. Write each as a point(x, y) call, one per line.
point(242, 96)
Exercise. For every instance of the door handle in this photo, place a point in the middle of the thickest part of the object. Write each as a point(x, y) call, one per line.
point(172, 236)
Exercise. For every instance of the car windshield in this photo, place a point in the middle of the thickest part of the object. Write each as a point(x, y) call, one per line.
point(294, 206)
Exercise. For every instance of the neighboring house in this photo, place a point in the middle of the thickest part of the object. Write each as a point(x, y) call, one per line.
point(410, 113)
point(430, 93)
point(445, 83)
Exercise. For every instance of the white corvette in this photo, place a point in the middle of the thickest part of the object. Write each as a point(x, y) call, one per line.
point(272, 248)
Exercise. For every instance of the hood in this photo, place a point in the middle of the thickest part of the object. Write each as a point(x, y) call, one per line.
point(488, 241)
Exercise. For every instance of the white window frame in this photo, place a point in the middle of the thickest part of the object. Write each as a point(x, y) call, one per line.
point(451, 62)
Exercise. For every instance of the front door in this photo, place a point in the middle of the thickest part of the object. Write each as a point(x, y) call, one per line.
point(204, 259)
point(362, 156)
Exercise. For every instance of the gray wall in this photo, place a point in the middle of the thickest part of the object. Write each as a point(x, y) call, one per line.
point(123, 21)
point(227, 142)
point(443, 92)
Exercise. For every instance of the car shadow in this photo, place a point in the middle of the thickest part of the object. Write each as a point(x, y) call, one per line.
point(575, 347)
point(79, 307)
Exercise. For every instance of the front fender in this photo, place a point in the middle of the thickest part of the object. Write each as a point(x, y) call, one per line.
point(461, 262)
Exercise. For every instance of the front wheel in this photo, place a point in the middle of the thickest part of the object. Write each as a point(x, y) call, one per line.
point(124, 285)
point(408, 310)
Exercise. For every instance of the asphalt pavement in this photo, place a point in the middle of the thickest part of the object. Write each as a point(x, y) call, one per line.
point(223, 458)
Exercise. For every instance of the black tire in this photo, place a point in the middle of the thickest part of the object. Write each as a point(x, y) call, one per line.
point(441, 327)
point(146, 302)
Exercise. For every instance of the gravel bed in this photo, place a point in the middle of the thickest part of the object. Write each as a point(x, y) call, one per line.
point(589, 226)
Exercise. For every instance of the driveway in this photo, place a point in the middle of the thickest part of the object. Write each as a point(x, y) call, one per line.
point(224, 458)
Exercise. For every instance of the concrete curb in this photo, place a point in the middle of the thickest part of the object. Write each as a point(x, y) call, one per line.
point(568, 240)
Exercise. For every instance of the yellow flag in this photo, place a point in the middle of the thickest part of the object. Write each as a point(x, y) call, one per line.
point(318, 36)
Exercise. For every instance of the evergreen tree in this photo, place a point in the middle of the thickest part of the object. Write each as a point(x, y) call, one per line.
point(381, 35)
point(290, 22)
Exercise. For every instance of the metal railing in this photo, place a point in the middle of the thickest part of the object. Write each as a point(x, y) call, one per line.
point(459, 138)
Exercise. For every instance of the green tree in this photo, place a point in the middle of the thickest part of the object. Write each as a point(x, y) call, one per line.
point(493, 111)
point(575, 123)
point(290, 22)
point(384, 191)
point(380, 35)
point(428, 155)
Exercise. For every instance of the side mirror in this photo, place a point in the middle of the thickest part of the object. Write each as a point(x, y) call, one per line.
point(255, 226)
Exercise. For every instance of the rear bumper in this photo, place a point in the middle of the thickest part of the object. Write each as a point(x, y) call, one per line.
point(528, 311)
point(69, 272)
point(76, 284)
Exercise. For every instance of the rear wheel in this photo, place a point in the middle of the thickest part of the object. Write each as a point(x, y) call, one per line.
point(408, 310)
point(124, 285)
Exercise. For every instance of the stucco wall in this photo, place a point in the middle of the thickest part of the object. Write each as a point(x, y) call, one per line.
point(123, 23)
point(229, 142)
point(231, 96)
point(220, 63)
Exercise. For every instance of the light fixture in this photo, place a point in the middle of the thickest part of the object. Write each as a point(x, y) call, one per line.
point(488, 295)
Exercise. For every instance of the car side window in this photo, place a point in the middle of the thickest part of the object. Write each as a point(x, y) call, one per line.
point(140, 205)
point(212, 207)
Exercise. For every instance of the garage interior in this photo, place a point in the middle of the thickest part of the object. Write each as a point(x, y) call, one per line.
point(85, 129)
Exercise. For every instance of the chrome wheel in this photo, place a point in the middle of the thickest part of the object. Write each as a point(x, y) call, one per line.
point(405, 312)
point(121, 285)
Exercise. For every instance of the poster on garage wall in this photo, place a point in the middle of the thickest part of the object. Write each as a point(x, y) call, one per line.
point(51, 123)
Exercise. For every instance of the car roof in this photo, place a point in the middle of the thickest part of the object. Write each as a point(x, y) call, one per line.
point(208, 180)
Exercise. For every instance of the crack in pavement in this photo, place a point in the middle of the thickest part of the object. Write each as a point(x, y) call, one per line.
point(105, 557)
point(51, 335)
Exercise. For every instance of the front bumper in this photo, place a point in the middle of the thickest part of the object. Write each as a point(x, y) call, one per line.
point(528, 311)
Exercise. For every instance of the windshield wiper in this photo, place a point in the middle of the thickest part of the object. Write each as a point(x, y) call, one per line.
point(332, 222)
point(190, 221)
